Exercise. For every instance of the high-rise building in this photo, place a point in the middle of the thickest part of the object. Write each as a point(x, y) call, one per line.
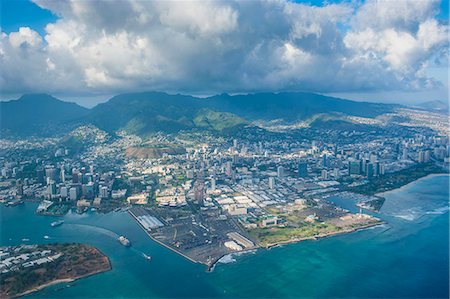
point(75, 177)
point(64, 191)
point(303, 169)
point(373, 158)
point(52, 173)
point(336, 173)
point(427, 157)
point(104, 192)
point(228, 168)
point(213, 184)
point(40, 174)
point(88, 190)
point(354, 167)
point(382, 169)
point(405, 154)
point(271, 182)
point(73, 193)
point(280, 172)
point(324, 175)
point(325, 161)
point(421, 156)
point(369, 170)
point(376, 168)
point(63, 174)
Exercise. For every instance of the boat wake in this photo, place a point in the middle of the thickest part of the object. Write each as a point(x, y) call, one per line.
point(439, 211)
point(100, 230)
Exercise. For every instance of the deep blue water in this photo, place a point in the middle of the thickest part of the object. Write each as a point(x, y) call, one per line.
point(406, 258)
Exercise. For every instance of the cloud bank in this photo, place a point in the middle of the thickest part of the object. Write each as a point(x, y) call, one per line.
point(226, 46)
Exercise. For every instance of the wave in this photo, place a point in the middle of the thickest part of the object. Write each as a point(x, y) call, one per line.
point(438, 211)
point(100, 230)
point(377, 227)
point(231, 258)
point(414, 213)
point(408, 217)
point(227, 259)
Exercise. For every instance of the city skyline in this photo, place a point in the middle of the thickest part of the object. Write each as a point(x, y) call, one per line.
point(224, 149)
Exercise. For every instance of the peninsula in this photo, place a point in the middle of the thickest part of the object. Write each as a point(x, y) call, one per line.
point(29, 268)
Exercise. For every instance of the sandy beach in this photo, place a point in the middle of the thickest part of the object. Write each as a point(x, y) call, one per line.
point(382, 194)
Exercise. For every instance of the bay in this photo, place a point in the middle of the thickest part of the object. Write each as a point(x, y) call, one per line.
point(407, 257)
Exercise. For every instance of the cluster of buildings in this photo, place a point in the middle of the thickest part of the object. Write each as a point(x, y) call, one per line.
point(15, 258)
point(233, 174)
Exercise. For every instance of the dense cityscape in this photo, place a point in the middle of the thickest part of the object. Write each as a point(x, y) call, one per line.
point(206, 195)
point(224, 149)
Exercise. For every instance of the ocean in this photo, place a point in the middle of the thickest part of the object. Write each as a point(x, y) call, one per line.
point(406, 258)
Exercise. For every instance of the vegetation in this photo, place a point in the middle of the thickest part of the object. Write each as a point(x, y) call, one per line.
point(77, 261)
point(49, 115)
point(150, 112)
point(395, 180)
point(271, 236)
point(217, 121)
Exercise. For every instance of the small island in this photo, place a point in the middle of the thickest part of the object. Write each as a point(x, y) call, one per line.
point(28, 268)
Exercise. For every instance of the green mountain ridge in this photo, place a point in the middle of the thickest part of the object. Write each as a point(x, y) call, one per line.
point(39, 114)
point(149, 112)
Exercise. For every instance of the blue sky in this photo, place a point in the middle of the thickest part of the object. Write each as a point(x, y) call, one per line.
point(318, 46)
point(24, 13)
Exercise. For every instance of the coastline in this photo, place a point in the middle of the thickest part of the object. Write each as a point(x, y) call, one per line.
point(431, 175)
point(43, 286)
point(58, 281)
point(324, 235)
point(161, 243)
point(210, 267)
point(293, 241)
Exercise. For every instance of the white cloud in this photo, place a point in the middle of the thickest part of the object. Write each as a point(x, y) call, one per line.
point(231, 46)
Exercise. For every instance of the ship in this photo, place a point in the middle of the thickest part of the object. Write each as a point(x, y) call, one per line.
point(147, 257)
point(14, 203)
point(57, 223)
point(124, 241)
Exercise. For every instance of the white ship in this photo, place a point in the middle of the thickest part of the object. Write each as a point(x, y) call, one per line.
point(147, 257)
point(124, 241)
point(57, 223)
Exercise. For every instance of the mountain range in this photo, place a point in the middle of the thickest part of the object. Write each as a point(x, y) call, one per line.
point(435, 106)
point(149, 112)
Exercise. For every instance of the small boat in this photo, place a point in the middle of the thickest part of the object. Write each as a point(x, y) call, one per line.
point(57, 223)
point(147, 257)
point(46, 237)
point(124, 241)
point(14, 203)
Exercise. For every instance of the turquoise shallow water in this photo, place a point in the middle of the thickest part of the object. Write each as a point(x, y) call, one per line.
point(408, 257)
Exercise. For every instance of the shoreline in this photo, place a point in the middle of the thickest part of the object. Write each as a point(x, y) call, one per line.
point(431, 175)
point(161, 243)
point(59, 281)
point(324, 235)
point(293, 241)
point(209, 267)
point(43, 286)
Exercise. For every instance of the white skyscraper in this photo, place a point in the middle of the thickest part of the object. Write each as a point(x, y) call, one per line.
point(280, 172)
point(271, 183)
